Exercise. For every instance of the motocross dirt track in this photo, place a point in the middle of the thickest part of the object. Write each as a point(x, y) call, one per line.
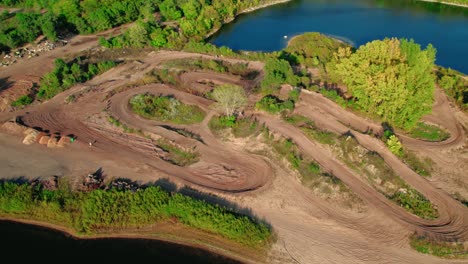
point(310, 229)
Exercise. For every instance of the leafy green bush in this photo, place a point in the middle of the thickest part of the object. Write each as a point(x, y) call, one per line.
point(274, 105)
point(415, 203)
point(166, 109)
point(65, 75)
point(394, 144)
point(100, 210)
point(22, 101)
point(218, 123)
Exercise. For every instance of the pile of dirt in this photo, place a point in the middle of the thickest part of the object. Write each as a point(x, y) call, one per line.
point(52, 143)
point(13, 128)
point(31, 136)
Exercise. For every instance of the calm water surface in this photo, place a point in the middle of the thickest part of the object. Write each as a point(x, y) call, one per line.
point(357, 21)
point(28, 242)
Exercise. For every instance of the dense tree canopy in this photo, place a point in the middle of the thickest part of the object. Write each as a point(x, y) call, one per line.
point(391, 78)
point(195, 18)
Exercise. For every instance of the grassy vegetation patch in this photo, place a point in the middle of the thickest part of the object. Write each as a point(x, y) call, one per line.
point(166, 109)
point(114, 121)
point(372, 166)
point(245, 127)
point(162, 76)
point(241, 69)
point(240, 127)
point(311, 173)
point(429, 132)
point(454, 84)
point(177, 155)
point(414, 202)
point(99, 210)
point(421, 166)
point(438, 248)
point(22, 101)
point(218, 123)
point(311, 130)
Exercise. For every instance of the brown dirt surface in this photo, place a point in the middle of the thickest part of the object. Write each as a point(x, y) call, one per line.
point(309, 229)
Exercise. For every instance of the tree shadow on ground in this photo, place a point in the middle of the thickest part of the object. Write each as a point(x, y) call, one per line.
point(5, 83)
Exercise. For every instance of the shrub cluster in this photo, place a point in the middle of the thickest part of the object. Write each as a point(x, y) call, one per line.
point(64, 75)
point(23, 100)
point(274, 105)
point(99, 210)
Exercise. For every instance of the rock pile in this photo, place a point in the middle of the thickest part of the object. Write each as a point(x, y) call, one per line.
point(30, 52)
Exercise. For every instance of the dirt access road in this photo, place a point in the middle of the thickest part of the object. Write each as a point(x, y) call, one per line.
point(310, 229)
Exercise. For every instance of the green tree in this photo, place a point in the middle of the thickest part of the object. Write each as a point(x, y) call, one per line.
point(191, 9)
point(137, 35)
point(158, 37)
point(391, 78)
point(48, 22)
point(169, 10)
point(231, 98)
point(277, 72)
point(394, 144)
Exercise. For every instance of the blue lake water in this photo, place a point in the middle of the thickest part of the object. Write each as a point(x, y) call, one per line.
point(358, 22)
point(28, 242)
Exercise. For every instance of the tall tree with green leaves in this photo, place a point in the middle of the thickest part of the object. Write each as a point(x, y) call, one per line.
point(391, 78)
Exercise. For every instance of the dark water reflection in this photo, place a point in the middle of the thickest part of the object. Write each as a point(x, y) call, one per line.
point(28, 242)
point(358, 21)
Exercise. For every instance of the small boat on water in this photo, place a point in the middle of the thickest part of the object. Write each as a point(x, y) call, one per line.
point(285, 36)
